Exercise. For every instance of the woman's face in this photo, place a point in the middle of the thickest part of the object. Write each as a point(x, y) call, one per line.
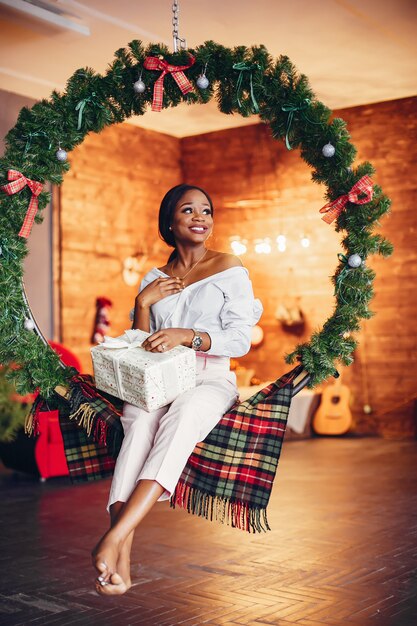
point(192, 221)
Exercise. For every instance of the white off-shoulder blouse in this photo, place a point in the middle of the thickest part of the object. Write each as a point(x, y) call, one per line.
point(222, 305)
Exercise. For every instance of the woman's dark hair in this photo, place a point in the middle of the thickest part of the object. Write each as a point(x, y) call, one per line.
point(166, 212)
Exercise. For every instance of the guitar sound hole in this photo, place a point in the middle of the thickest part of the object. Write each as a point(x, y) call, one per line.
point(335, 399)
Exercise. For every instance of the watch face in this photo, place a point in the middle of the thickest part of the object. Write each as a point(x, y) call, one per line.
point(197, 342)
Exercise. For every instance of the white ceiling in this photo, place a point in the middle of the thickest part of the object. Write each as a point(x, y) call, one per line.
point(353, 51)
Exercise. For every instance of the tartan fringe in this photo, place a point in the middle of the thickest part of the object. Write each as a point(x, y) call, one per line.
point(32, 418)
point(84, 416)
point(236, 514)
point(88, 417)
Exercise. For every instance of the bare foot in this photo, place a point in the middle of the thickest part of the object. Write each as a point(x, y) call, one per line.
point(105, 557)
point(123, 568)
point(115, 587)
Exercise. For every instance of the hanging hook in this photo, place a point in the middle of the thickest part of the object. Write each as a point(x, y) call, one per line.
point(175, 23)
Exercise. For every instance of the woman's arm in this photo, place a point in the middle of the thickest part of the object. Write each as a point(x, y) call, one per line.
point(238, 315)
point(142, 316)
point(171, 337)
point(148, 295)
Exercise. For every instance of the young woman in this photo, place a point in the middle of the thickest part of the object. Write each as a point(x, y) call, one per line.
point(202, 299)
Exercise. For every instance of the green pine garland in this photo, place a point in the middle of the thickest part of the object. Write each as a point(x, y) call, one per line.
point(93, 101)
point(12, 412)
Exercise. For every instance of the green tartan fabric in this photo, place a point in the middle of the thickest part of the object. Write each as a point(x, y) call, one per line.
point(228, 477)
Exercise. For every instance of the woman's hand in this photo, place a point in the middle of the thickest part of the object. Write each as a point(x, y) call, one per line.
point(157, 290)
point(164, 340)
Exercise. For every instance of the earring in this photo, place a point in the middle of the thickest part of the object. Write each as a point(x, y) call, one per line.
point(170, 228)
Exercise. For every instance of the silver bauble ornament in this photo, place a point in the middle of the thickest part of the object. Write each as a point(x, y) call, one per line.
point(139, 86)
point(203, 82)
point(61, 155)
point(328, 150)
point(29, 324)
point(354, 260)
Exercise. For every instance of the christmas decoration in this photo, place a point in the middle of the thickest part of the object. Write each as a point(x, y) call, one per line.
point(364, 186)
point(93, 101)
point(354, 260)
point(16, 184)
point(203, 82)
point(61, 155)
point(177, 72)
point(29, 324)
point(246, 67)
point(291, 109)
point(102, 321)
point(328, 150)
point(139, 86)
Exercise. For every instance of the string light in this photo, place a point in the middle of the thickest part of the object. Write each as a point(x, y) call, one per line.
point(263, 246)
point(238, 247)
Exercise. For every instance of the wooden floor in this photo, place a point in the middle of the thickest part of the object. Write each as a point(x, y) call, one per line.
point(342, 550)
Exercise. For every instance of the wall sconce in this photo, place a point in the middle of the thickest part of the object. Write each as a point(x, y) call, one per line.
point(132, 269)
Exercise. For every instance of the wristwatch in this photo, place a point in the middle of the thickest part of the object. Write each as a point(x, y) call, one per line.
point(197, 341)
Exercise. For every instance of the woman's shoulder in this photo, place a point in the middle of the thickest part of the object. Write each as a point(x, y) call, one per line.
point(215, 263)
point(222, 261)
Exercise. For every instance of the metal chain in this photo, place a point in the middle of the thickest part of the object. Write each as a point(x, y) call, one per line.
point(175, 22)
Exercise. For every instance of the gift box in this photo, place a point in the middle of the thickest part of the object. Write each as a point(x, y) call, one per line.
point(148, 380)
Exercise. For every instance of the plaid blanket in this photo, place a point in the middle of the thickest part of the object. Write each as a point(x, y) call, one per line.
point(228, 476)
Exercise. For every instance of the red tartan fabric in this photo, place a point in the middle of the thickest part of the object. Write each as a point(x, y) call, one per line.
point(18, 182)
point(332, 210)
point(154, 63)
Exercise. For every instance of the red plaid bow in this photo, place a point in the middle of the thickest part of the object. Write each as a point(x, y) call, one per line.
point(332, 210)
point(18, 181)
point(154, 63)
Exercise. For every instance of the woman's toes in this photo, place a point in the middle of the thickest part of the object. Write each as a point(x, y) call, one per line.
point(103, 570)
point(115, 587)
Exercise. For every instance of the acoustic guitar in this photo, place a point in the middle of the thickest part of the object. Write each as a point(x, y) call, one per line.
point(333, 417)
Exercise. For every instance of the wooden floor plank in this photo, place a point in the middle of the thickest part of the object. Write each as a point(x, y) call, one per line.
point(342, 551)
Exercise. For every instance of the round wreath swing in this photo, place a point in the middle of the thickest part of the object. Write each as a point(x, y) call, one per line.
point(245, 81)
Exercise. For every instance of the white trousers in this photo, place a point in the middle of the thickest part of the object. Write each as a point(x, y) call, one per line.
point(157, 444)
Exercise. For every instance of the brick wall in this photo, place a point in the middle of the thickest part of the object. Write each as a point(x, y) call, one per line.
point(259, 190)
point(109, 208)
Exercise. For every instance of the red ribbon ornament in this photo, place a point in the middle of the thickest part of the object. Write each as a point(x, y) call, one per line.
point(332, 210)
point(18, 182)
point(154, 63)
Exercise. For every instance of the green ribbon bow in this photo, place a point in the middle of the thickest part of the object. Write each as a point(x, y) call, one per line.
point(29, 138)
point(243, 66)
point(82, 104)
point(291, 109)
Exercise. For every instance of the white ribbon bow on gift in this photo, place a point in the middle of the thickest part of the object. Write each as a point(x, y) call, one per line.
point(130, 339)
point(134, 339)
